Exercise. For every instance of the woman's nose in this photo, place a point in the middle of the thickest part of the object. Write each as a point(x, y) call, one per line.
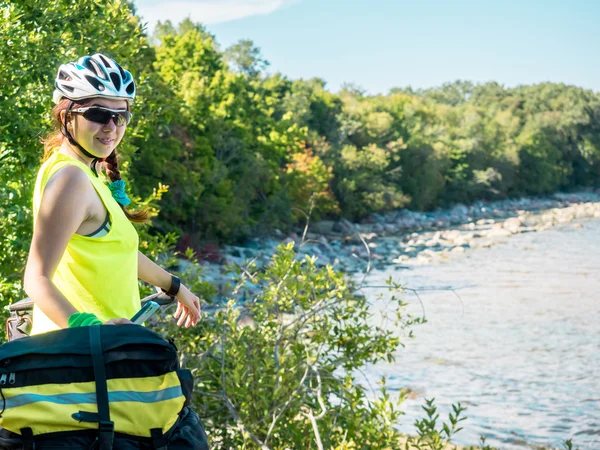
point(111, 125)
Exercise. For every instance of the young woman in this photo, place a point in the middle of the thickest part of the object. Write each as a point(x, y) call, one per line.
point(84, 262)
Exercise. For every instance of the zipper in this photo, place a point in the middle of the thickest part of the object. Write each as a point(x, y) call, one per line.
point(12, 378)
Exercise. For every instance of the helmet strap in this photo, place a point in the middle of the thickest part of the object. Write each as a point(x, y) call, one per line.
point(73, 142)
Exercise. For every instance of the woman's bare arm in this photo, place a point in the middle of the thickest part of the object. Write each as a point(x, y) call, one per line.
point(152, 273)
point(63, 208)
point(188, 306)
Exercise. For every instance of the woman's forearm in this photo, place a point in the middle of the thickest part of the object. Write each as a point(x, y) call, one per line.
point(49, 299)
point(152, 273)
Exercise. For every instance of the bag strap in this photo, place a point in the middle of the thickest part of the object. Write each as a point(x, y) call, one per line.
point(105, 426)
point(159, 441)
point(27, 436)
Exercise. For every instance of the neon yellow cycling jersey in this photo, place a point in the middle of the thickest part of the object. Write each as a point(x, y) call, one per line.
point(96, 274)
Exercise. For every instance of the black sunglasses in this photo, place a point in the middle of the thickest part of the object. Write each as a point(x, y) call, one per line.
point(98, 114)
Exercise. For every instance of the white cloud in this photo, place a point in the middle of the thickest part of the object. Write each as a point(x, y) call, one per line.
point(205, 12)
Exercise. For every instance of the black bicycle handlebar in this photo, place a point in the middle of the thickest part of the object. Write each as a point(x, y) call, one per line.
point(159, 297)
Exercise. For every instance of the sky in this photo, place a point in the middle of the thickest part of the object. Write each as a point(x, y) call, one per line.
point(381, 44)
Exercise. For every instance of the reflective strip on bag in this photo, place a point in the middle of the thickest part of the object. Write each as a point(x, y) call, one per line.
point(113, 397)
point(136, 405)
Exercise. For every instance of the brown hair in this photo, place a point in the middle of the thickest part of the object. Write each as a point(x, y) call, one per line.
point(111, 164)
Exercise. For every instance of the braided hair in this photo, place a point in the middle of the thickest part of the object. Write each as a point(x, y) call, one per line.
point(111, 167)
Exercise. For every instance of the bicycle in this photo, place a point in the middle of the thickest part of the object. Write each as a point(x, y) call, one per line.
point(20, 320)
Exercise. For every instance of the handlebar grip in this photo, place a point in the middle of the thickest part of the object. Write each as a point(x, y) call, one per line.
point(22, 305)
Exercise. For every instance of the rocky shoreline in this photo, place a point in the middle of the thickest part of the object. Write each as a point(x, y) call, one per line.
point(406, 238)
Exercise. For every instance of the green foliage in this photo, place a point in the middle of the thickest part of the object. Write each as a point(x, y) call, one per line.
point(237, 151)
point(429, 436)
point(243, 152)
point(246, 58)
point(568, 444)
point(283, 366)
point(307, 181)
point(365, 179)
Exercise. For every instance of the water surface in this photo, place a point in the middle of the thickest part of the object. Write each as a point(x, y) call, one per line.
point(522, 350)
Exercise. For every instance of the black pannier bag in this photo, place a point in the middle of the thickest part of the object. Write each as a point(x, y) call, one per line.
point(100, 387)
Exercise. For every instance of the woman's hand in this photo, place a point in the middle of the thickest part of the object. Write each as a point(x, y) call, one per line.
point(118, 321)
point(188, 307)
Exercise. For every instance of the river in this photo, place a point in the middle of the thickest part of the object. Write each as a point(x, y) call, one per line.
point(520, 348)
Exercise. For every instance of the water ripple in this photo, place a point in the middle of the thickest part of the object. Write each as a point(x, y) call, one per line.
point(524, 354)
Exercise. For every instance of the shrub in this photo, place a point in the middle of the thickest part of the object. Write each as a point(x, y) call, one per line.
point(284, 366)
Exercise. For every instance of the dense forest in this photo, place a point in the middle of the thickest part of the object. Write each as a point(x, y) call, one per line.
point(250, 148)
point(226, 150)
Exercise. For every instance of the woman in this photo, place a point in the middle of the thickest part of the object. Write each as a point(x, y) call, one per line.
point(84, 262)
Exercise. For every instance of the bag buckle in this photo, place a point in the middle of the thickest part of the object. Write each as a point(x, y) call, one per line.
point(106, 434)
point(106, 426)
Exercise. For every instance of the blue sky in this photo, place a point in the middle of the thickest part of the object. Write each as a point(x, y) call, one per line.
point(380, 44)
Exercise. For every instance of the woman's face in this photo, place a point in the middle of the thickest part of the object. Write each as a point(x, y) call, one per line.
point(98, 139)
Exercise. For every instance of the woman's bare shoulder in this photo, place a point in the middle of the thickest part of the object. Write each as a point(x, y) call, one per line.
point(69, 183)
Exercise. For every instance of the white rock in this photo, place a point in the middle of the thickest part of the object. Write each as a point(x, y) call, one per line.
point(498, 230)
point(400, 259)
point(513, 224)
point(432, 243)
point(565, 219)
point(451, 235)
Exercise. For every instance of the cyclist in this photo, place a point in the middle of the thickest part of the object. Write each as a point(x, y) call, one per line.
point(84, 263)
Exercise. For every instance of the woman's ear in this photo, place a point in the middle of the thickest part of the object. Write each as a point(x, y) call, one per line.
point(69, 121)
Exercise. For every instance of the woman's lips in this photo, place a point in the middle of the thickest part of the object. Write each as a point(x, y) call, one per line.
point(106, 141)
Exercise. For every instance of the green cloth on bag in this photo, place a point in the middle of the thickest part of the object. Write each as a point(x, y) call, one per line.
point(83, 319)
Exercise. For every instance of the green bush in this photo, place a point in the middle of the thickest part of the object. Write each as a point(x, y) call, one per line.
point(284, 366)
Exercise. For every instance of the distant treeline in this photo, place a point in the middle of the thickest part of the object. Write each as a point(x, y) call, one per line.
point(243, 152)
point(246, 152)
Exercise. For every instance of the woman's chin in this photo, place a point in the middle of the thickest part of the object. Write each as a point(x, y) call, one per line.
point(103, 151)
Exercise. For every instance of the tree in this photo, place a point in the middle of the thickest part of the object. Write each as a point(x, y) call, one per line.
point(245, 57)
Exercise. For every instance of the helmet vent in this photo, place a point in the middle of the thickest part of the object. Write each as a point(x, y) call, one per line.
point(130, 89)
point(86, 63)
point(67, 88)
point(94, 82)
point(94, 67)
point(105, 61)
point(116, 81)
point(63, 76)
point(122, 71)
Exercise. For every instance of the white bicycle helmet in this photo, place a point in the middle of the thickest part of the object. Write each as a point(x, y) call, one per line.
point(93, 76)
